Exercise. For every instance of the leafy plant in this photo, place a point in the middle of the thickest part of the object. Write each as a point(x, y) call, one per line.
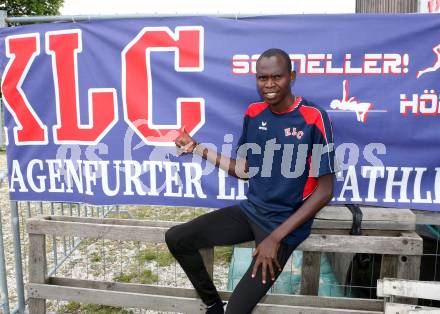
point(31, 7)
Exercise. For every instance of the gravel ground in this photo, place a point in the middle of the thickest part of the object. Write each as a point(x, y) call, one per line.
point(102, 259)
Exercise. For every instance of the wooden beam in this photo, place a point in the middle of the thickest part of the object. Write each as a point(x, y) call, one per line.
point(408, 244)
point(162, 302)
point(424, 311)
point(395, 308)
point(340, 217)
point(402, 245)
point(282, 299)
point(285, 309)
point(97, 230)
point(330, 217)
point(429, 290)
point(111, 221)
point(116, 298)
point(424, 217)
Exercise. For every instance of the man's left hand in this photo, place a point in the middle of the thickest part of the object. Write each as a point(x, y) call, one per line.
point(266, 256)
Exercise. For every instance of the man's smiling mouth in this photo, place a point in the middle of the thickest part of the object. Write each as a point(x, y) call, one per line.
point(270, 95)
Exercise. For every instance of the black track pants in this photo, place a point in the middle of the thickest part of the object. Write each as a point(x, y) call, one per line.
point(224, 226)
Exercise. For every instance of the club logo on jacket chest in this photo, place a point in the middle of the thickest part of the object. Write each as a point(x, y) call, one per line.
point(293, 132)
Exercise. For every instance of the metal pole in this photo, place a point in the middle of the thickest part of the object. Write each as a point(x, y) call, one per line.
point(15, 225)
point(3, 278)
point(54, 269)
point(3, 18)
point(76, 18)
point(54, 240)
point(71, 239)
point(64, 238)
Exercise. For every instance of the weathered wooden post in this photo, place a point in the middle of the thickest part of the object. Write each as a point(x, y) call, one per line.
point(37, 270)
point(403, 267)
point(310, 271)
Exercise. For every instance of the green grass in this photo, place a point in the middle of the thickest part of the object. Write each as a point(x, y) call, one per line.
point(95, 257)
point(124, 277)
point(165, 259)
point(146, 256)
point(118, 216)
point(160, 254)
point(146, 276)
point(167, 213)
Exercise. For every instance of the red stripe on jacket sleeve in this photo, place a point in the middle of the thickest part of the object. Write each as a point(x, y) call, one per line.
point(255, 109)
point(311, 182)
point(313, 116)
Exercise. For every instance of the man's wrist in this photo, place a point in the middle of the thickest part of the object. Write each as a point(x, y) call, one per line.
point(198, 149)
point(275, 235)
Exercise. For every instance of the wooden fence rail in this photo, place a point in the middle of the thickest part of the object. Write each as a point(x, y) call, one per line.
point(402, 250)
point(390, 288)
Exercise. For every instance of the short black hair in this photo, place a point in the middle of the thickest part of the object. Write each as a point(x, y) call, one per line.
point(278, 53)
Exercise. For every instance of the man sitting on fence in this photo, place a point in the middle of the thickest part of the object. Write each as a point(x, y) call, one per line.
point(280, 133)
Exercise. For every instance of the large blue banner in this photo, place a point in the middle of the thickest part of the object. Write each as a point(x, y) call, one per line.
point(92, 108)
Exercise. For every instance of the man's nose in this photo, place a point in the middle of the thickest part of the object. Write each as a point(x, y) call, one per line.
point(270, 82)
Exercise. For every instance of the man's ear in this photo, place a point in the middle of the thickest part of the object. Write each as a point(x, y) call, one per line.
point(293, 76)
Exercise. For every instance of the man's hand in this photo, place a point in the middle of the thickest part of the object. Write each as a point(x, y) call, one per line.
point(186, 145)
point(266, 256)
point(184, 142)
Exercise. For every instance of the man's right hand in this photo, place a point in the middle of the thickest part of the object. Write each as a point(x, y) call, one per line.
point(184, 142)
point(187, 145)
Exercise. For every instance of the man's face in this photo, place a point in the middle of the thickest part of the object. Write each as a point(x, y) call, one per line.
point(273, 81)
